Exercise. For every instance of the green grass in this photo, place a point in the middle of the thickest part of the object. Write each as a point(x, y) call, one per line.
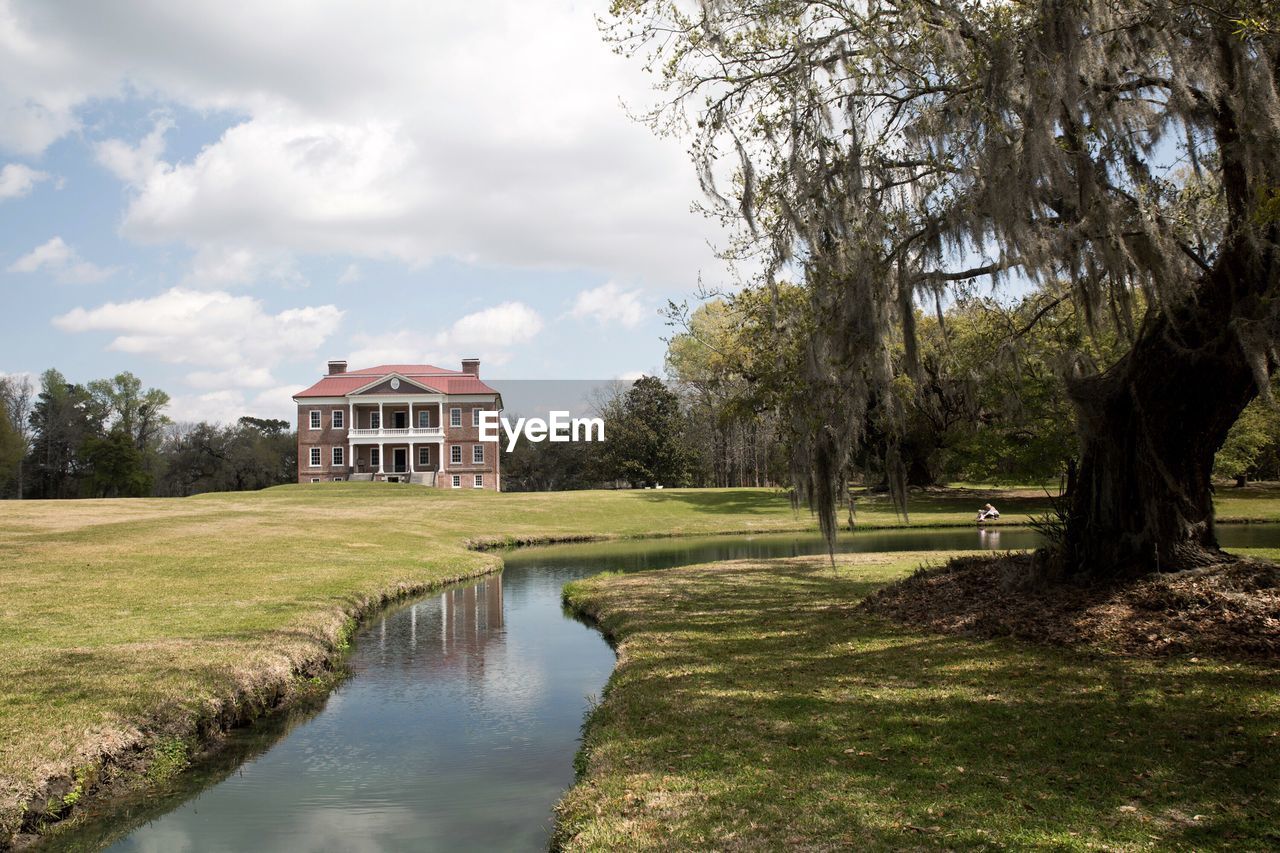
point(124, 623)
point(754, 707)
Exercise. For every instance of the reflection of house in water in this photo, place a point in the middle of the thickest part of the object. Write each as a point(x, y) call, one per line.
point(449, 633)
point(470, 610)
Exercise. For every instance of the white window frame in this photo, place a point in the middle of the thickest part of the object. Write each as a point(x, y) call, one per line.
point(315, 479)
point(424, 418)
point(455, 418)
point(477, 454)
point(337, 479)
point(375, 420)
point(424, 455)
point(478, 482)
point(375, 458)
point(314, 420)
point(455, 454)
point(339, 456)
point(475, 416)
point(456, 481)
point(315, 458)
point(338, 418)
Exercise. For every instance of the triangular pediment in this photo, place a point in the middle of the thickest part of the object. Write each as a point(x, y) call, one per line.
point(393, 384)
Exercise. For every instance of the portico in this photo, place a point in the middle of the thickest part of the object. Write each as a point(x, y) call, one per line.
point(396, 436)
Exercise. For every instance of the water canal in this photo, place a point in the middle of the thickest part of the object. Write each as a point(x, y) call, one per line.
point(459, 727)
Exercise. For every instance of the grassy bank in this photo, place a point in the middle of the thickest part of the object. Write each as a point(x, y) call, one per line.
point(755, 707)
point(134, 630)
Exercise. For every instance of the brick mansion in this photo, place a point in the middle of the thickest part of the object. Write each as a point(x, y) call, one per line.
point(407, 423)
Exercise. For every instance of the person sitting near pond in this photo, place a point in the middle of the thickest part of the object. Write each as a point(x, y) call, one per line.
point(988, 512)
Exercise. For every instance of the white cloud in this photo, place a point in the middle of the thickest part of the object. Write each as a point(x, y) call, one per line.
point(429, 146)
point(488, 335)
point(219, 266)
point(231, 340)
point(62, 262)
point(17, 180)
point(608, 304)
point(229, 405)
point(502, 325)
point(214, 406)
point(243, 377)
point(351, 275)
point(134, 164)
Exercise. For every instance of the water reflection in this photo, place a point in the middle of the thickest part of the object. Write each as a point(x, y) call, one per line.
point(459, 728)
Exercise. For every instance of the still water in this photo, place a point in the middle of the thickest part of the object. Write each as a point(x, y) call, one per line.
point(459, 727)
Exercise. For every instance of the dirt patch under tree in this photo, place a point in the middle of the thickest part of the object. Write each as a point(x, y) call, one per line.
point(1229, 610)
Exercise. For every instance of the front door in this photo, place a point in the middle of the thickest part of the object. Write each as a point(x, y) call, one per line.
point(402, 420)
point(401, 460)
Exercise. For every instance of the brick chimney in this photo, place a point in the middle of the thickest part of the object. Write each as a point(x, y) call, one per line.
point(336, 367)
point(471, 365)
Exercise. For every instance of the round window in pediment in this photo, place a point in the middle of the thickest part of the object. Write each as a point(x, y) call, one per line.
point(395, 384)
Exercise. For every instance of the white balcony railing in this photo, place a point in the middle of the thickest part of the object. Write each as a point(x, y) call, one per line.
point(411, 432)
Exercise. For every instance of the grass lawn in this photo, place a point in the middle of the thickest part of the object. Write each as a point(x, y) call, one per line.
point(754, 707)
point(125, 623)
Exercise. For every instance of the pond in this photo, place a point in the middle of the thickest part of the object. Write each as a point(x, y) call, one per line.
point(459, 727)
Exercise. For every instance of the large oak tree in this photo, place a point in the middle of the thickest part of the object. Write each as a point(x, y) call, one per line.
point(888, 148)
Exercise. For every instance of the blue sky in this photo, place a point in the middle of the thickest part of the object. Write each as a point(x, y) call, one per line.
point(220, 197)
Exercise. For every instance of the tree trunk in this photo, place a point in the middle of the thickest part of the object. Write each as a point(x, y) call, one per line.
point(918, 471)
point(1150, 426)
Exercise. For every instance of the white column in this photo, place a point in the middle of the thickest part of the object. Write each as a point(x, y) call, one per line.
point(411, 453)
point(382, 453)
point(382, 419)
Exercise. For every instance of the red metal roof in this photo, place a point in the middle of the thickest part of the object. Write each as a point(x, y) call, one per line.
point(403, 370)
point(445, 381)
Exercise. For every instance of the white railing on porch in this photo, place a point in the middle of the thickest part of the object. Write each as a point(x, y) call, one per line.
point(411, 432)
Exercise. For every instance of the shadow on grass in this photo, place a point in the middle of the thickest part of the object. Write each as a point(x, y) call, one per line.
point(758, 697)
point(724, 501)
point(747, 502)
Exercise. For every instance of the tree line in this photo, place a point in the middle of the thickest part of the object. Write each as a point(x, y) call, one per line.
point(986, 405)
point(645, 445)
point(111, 438)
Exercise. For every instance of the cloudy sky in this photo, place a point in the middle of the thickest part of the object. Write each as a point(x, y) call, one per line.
point(219, 196)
